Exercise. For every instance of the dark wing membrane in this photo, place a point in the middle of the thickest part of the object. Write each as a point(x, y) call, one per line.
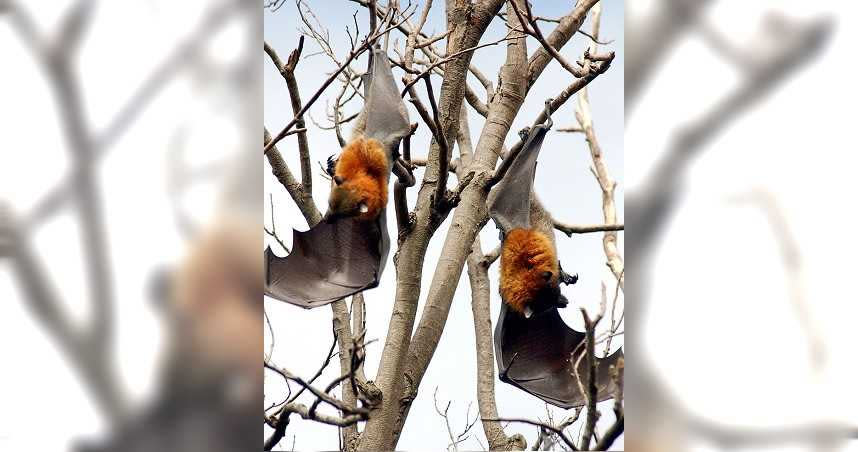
point(328, 262)
point(387, 117)
point(534, 355)
point(509, 205)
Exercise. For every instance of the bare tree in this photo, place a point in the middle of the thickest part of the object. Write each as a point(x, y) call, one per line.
point(410, 343)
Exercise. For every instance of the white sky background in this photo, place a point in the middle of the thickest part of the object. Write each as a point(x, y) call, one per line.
point(126, 42)
point(719, 270)
point(563, 182)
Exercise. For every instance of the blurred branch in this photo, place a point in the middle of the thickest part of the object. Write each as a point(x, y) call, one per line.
point(89, 360)
point(796, 47)
point(788, 46)
point(649, 39)
point(792, 260)
point(733, 437)
point(181, 57)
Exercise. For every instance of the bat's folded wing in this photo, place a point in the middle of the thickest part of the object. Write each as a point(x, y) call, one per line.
point(509, 202)
point(386, 115)
point(537, 355)
point(328, 262)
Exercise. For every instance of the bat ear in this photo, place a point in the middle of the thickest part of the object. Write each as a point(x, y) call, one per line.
point(547, 275)
point(363, 207)
point(338, 180)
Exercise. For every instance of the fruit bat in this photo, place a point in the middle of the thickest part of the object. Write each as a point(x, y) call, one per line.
point(535, 349)
point(345, 255)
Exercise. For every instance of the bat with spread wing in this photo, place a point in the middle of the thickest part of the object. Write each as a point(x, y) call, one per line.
point(536, 351)
point(346, 252)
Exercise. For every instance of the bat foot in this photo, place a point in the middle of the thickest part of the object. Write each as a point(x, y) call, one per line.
point(505, 371)
point(332, 164)
point(566, 278)
point(548, 121)
point(503, 374)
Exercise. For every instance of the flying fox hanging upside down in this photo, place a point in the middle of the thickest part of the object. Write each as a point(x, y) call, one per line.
point(530, 274)
point(346, 253)
point(536, 351)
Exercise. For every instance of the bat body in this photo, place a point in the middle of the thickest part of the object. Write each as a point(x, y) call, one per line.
point(346, 253)
point(360, 181)
point(532, 343)
point(529, 272)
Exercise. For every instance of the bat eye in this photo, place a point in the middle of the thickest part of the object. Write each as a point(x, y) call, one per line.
point(363, 208)
point(338, 180)
point(547, 275)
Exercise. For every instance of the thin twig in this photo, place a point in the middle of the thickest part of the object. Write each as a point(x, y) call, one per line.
point(367, 43)
point(560, 434)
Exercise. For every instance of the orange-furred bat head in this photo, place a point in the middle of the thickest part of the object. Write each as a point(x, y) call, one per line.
point(359, 181)
point(530, 273)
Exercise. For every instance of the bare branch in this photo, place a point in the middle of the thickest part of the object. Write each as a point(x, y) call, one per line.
point(618, 427)
point(533, 30)
point(560, 434)
point(444, 154)
point(367, 43)
point(451, 56)
point(480, 298)
point(287, 71)
point(302, 198)
point(600, 171)
point(304, 412)
point(273, 232)
point(592, 391)
point(570, 229)
point(569, 24)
